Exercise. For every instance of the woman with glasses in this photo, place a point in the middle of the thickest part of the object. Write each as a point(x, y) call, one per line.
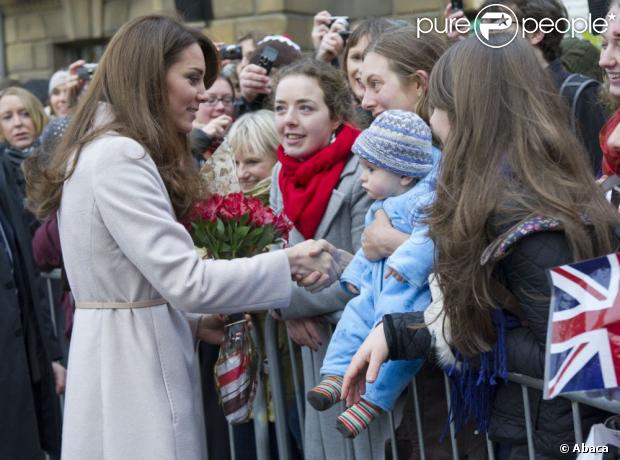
point(213, 119)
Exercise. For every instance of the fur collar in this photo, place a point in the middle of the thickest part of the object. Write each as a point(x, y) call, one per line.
point(438, 325)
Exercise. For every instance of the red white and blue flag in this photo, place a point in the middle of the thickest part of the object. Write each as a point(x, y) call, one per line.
point(583, 339)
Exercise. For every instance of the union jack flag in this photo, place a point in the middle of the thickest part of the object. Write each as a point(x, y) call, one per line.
point(583, 339)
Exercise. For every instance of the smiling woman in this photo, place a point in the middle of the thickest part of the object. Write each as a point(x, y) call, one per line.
point(120, 181)
point(253, 140)
point(317, 185)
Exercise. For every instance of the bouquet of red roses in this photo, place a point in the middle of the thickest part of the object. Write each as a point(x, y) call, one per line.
point(234, 225)
point(226, 227)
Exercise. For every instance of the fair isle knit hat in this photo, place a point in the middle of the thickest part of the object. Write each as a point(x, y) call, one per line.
point(399, 142)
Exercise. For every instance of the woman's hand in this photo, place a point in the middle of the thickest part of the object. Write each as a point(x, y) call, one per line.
point(380, 239)
point(316, 281)
point(60, 377)
point(320, 27)
point(365, 365)
point(211, 329)
point(74, 84)
point(253, 81)
point(218, 126)
point(314, 256)
point(332, 45)
point(306, 332)
point(453, 16)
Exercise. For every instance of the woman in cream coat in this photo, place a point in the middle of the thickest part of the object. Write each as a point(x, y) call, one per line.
point(119, 180)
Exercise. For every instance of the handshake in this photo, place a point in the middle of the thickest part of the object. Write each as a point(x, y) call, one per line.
point(315, 265)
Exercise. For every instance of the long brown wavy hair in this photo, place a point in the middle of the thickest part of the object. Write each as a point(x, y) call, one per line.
point(131, 77)
point(509, 154)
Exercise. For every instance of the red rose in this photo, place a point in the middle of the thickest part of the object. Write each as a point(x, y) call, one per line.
point(283, 226)
point(210, 208)
point(262, 217)
point(233, 207)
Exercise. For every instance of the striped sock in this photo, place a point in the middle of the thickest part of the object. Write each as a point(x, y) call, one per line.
point(356, 418)
point(325, 394)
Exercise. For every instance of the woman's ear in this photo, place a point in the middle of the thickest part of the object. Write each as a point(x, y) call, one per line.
point(422, 81)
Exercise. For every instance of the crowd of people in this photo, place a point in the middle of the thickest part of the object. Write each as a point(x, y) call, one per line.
point(430, 179)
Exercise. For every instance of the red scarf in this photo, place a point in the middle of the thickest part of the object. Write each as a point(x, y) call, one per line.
point(307, 185)
point(611, 157)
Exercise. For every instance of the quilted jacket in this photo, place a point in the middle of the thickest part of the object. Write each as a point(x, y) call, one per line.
point(522, 271)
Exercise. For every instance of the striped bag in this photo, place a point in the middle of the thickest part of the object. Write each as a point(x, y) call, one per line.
point(236, 373)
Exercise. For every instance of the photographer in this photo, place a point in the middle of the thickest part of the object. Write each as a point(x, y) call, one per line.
point(248, 43)
point(66, 86)
point(255, 80)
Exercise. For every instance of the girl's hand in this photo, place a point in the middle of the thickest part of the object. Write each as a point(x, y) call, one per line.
point(365, 365)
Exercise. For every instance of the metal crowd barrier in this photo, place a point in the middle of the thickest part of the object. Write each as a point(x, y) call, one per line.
point(525, 382)
point(260, 408)
point(49, 277)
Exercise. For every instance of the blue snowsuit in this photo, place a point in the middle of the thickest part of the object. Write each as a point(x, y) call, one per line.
point(378, 296)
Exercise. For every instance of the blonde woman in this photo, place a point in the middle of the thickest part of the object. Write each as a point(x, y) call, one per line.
point(22, 119)
point(253, 140)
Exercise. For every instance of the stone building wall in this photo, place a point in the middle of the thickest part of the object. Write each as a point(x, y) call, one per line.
point(39, 34)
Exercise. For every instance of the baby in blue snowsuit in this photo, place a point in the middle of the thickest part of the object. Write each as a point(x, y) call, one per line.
point(399, 171)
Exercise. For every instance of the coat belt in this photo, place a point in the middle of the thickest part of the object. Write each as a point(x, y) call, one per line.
point(121, 305)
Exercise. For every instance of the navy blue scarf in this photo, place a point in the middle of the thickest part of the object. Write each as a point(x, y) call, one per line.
point(473, 384)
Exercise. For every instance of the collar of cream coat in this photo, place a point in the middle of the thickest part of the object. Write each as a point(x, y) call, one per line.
point(103, 115)
point(438, 325)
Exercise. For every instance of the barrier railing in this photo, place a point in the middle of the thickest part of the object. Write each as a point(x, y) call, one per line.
point(261, 423)
point(524, 381)
point(49, 277)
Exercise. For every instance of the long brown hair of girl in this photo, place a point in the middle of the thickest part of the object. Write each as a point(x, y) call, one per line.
point(510, 153)
point(131, 77)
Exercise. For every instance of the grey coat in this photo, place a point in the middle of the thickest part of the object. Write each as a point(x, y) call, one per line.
point(342, 225)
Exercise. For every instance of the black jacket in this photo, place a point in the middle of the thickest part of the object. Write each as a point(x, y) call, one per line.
point(30, 409)
point(522, 271)
point(590, 115)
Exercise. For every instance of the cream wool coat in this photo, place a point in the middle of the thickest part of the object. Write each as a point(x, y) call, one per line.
point(133, 388)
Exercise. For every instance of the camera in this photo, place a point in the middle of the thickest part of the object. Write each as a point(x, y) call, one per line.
point(231, 52)
point(86, 71)
point(345, 34)
point(344, 20)
point(267, 58)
